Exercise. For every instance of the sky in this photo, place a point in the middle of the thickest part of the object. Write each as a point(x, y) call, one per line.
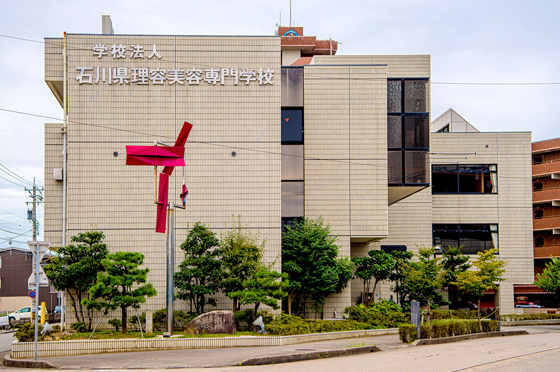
point(490, 41)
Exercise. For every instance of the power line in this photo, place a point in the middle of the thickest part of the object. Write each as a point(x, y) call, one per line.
point(231, 147)
point(5, 165)
point(17, 184)
point(14, 176)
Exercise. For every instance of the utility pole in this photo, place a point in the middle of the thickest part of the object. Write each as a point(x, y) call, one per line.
point(36, 194)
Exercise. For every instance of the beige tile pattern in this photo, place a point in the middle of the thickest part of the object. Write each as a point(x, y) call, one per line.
point(105, 194)
point(510, 208)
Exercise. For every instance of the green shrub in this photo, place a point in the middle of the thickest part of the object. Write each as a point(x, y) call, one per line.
point(453, 314)
point(425, 331)
point(440, 329)
point(383, 314)
point(117, 323)
point(244, 319)
point(521, 317)
point(26, 332)
point(79, 327)
point(407, 333)
point(458, 328)
point(286, 325)
point(56, 328)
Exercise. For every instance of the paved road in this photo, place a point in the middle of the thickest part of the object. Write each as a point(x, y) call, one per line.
point(538, 351)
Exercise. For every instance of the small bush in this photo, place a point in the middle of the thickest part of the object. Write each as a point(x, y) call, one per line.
point(382, 314)
point(458, 328)
point(26, 332)
point(286, 325)
point(56, 328)
point(407, 333)
point(117, 323)
point(425, 331)
point(244, 319)
point(79, 327)
point(521, 317)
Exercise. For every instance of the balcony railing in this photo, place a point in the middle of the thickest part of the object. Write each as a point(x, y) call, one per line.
point(546, 168)
point(546, 252)
point(546, 195)
point(546, 223)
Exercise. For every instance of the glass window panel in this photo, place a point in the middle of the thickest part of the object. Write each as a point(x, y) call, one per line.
point(417, 131)
point(292, 125)
point(537, 186)
point(415, 96)
point(394, 132)
point(446, 239)
point(394, 96)
point(395, 171)
point(539, 213)
point(471, 182)
point(292, 199)
point(416, 167)
point(444, 179)
point(289, 221)
point(292, 162)
point(476, 241)
point(292, 87)
point(539, 241)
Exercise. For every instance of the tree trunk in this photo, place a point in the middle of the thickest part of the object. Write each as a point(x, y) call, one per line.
point(370, 300)
point(74, 305)
point(290, 298)
point(235, 305)
point(478, 316)
point(123, 320)
point(79, 294)
point(257, 304)
point(428, 314)
point(323, 311)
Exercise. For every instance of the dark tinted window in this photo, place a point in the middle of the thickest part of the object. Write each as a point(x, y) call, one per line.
point(537, 159)
point(473, 178)
point(417, 131)
point(394, 96)
point(415, 95)
point(473, 237)
point(539, 213)
point(394, 132)
point(395, 170)
point(539, 241)
point(416, 165)
point(289, 221)
point(538, 186)
point(292, 126)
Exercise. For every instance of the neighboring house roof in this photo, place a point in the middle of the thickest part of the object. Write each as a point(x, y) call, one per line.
point(451, 121)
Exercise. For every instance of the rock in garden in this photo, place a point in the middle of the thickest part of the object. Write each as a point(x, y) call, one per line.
point(213, 322)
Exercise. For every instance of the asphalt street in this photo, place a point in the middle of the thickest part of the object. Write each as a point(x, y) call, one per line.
point(538, 351)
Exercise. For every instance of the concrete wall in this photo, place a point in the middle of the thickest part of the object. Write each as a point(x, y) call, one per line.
point(107, 195)
point(510, 208)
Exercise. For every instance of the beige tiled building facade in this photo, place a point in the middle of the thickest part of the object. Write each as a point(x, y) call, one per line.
point(281, 128)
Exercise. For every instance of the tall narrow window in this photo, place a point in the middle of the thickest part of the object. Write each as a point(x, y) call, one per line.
point(292, 126)
point(408, 131)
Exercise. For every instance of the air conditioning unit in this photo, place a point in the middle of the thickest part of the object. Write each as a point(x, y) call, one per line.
point(57, 174)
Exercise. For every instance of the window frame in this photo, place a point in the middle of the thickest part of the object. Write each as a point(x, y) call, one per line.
point(403, 149)
point(458, 173)
point(464, 228)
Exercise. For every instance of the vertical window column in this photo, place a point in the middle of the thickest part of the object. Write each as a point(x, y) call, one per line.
point(292, 146)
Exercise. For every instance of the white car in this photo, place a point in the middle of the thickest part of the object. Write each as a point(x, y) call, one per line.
point(4, 320)
point(24, 312)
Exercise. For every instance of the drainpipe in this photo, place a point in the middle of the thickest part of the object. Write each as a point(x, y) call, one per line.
point(64, 158)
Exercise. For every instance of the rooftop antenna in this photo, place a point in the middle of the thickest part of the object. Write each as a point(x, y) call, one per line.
point(290, 13)
point(279, 24)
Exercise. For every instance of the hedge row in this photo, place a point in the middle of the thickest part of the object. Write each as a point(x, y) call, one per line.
point(446, 328)
point(518, 317)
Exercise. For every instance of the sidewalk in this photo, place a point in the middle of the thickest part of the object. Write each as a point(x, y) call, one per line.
point(222, 357)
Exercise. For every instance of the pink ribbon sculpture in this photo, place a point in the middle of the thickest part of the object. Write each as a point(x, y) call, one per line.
point(169, 157)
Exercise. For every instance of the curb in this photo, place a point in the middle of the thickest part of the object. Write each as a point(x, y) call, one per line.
point(308, 356)
point(473, 336)
point(22, 363)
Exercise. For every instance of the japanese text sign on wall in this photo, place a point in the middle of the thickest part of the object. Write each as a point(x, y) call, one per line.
point(159, 76)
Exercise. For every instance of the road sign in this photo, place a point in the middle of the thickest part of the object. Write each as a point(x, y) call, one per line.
point(43, 248)
point(32, 294)
point(43, 280)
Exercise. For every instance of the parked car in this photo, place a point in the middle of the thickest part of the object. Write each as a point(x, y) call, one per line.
point(528, 305)
point(57, 310)
point(4, 319)
point(24, 312)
